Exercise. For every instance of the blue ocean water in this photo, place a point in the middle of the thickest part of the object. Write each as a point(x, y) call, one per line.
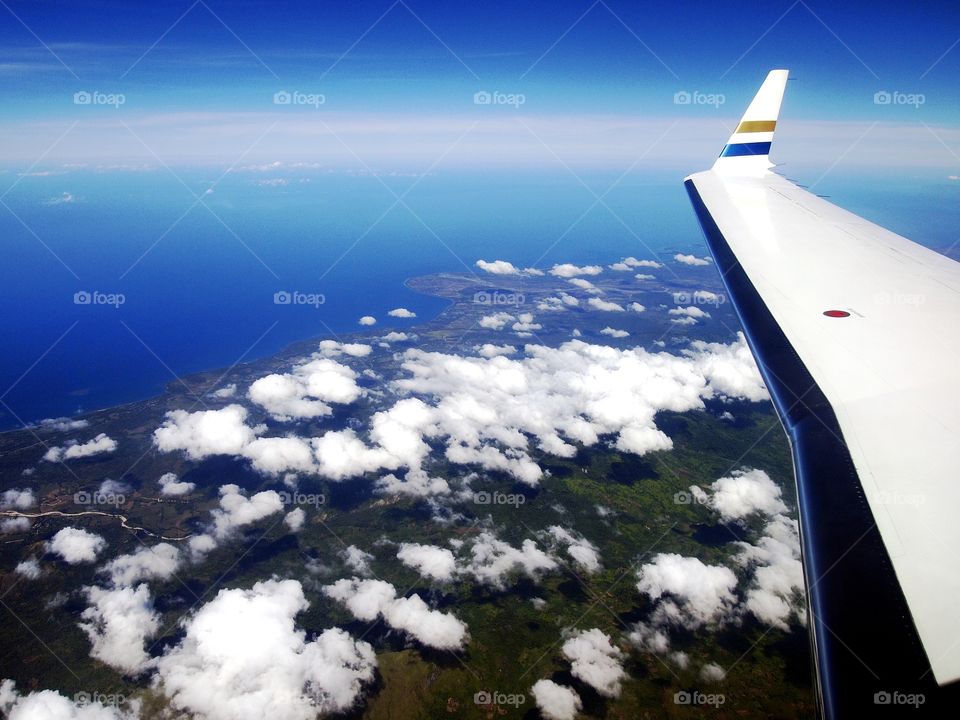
point(198, 285)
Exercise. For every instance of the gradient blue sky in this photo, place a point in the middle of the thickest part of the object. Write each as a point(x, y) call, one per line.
point(198, 78)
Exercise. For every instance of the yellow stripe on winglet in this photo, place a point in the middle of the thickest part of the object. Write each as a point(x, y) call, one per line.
point(756, 126)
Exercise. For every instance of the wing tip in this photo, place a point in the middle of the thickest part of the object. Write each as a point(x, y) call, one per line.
point(748, 149)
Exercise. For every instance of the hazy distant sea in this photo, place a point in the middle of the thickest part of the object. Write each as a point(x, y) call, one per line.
point(198, 288)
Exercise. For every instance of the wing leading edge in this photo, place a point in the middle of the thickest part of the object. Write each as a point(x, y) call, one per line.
point(856, 332)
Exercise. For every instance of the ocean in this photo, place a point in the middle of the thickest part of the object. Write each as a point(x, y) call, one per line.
point(115, 282)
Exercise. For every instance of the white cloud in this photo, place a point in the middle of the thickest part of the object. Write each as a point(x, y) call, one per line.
point(741, 494)
point(416, 483)
point(775, 594)
point(496, 321)
point(113, 488)
point(631, 262)
point(498, 267)
point(614, 332)
point(118, 623)
point(206, 432)
point(708, 297)
point(402, 313)
point(480, 409)
point(585, 284)
point(63, 424)
point(644, 276)
point(430, 561)
point(368, 599)
point(492, 561)
point(488, 350)
point(551, 304)
point(525, 323)
point(569, 270)
point(332, 348)
point(693, 594)
point(556, 702)
point(397, 337)
point(17, 499)
point(691, 311)
point(584, 553)
point(595, 661)
point(76, 545)
point(237, 510)
point(158, 562)
point(99, 445)
point(307, 390)
point(295, 519)
point(650, 638)
point(691, 259)
point(604, 305)
point(51, 705)
point(243, 658)
point(731, 369)
point(637, 307)
point(558, 303)
point(356, 559)
point(711, 672)
point(227, 391)
point(483, 400)
point(170, 486)
point(367, 320)
point(29, 568)
point(200, 545)
point(12, 525)
point(275, 455)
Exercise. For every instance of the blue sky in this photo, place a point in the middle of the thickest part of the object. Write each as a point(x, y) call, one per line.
point(194, 74)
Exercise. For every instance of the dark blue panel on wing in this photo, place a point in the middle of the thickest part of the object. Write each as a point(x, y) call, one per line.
point(737, 149)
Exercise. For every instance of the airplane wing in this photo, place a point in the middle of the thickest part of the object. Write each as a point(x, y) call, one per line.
point(856, 331)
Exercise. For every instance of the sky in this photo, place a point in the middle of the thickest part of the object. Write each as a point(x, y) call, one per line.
point(392, 84)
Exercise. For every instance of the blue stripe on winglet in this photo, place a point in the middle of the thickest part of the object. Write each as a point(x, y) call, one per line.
point(754, 148)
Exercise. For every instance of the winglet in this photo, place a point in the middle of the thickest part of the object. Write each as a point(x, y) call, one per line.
point(747, 151)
